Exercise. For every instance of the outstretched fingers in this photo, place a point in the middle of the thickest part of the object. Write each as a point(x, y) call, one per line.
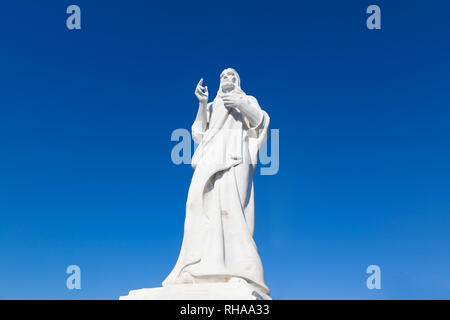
point(200, 89)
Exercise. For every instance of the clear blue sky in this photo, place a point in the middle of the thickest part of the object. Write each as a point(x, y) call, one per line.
point(86, 117)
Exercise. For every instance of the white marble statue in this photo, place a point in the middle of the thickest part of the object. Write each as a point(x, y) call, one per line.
point(218, 245)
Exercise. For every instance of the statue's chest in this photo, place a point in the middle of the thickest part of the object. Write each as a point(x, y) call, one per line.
point(220, 115)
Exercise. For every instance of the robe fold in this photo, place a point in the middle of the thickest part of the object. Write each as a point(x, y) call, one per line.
point(218, 240)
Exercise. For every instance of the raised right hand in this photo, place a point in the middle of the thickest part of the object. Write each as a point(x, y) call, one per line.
point(201, 92)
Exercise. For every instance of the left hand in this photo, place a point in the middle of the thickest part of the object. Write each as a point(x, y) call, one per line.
point(233, 100)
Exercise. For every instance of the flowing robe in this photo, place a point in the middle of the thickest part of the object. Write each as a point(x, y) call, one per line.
point(218, 240)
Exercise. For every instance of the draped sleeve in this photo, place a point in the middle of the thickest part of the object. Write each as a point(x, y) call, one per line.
point(256, 135)
point(197, 132)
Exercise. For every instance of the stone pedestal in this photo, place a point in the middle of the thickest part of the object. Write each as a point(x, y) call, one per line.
point(203, 291)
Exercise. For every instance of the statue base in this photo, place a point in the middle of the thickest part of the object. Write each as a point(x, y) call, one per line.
point(201, 291)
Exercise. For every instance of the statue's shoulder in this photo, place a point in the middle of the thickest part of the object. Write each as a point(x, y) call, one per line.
point(252, 98)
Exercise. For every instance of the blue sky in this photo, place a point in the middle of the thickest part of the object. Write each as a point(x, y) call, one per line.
point(86, 116)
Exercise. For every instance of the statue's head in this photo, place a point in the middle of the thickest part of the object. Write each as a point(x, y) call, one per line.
point(229, 80)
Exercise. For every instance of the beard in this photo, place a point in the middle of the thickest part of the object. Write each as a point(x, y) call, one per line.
point(227, 87)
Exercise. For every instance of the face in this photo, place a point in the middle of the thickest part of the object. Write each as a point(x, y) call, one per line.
point(228, 80)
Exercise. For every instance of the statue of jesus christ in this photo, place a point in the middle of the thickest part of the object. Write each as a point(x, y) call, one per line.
point(218, 243)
